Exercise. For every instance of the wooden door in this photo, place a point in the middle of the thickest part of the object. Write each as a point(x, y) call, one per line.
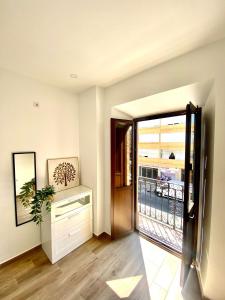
point(122, 207)
point(191, 188)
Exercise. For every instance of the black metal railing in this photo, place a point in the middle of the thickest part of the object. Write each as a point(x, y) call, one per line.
point(161, 201)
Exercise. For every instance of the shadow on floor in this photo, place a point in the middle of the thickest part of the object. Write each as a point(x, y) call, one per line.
point(191, 290)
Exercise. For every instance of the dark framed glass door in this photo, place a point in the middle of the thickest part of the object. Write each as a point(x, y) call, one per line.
point(191, 188)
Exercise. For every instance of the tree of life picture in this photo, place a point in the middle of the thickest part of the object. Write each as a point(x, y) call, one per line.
point(63, 173)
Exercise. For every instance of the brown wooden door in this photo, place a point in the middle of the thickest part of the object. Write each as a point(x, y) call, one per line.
point(191, 188)
point(122, 207)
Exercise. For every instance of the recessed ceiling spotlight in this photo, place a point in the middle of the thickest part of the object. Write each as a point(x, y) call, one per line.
point(73, 75)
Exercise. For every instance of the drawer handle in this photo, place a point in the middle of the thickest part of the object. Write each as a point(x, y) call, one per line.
point(73, 215)
point(74, 232)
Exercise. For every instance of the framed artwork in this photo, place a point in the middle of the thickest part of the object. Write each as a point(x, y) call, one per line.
point(63, 173)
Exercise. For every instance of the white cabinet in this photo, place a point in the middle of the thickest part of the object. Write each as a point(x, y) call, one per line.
point(69, 224)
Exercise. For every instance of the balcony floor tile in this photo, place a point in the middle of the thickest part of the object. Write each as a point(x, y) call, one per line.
point(160, 232)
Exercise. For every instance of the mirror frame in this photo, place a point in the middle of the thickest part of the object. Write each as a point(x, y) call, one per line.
point(14, 182)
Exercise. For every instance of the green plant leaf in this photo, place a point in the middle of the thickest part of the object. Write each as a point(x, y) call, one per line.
point(27, 193)
point(36, 200)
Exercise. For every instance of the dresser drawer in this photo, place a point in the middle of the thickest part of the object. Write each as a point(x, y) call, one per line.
point(72, 239)
point(68, 224)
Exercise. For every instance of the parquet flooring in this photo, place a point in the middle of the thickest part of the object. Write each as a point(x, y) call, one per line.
point(128, 268)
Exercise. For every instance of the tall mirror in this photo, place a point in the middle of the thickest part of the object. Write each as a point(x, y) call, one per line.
point(24, 169)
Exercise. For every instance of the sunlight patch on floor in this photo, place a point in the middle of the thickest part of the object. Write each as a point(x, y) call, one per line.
point(123, 287)
point(162, 272)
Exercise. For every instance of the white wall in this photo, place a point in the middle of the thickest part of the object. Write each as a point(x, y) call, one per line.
point(91, 108)
point(50, 130)
point(100, 160)
point(117, 114)
point(214, 283)
point(198, 66)
point(206, 191)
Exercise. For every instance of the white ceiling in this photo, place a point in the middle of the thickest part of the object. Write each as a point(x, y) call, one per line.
point(169, 101)
point(102, 41)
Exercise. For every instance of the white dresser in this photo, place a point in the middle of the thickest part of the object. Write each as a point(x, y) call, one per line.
point(69, 224)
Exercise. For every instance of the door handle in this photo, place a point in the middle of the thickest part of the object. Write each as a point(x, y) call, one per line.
point(192, 216)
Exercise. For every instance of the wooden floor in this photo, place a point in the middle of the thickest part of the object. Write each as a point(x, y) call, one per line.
point(100, 269)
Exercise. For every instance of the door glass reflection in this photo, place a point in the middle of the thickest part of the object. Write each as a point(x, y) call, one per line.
point(128, 156)
point(191, 176)
point(123, 174)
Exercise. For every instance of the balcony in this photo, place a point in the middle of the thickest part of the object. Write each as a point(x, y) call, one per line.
point(160, 211)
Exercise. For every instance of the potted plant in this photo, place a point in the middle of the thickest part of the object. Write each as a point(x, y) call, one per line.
point(35, 200)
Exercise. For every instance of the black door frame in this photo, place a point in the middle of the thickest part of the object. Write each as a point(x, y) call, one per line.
point(190, 228)
point(136, 120)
